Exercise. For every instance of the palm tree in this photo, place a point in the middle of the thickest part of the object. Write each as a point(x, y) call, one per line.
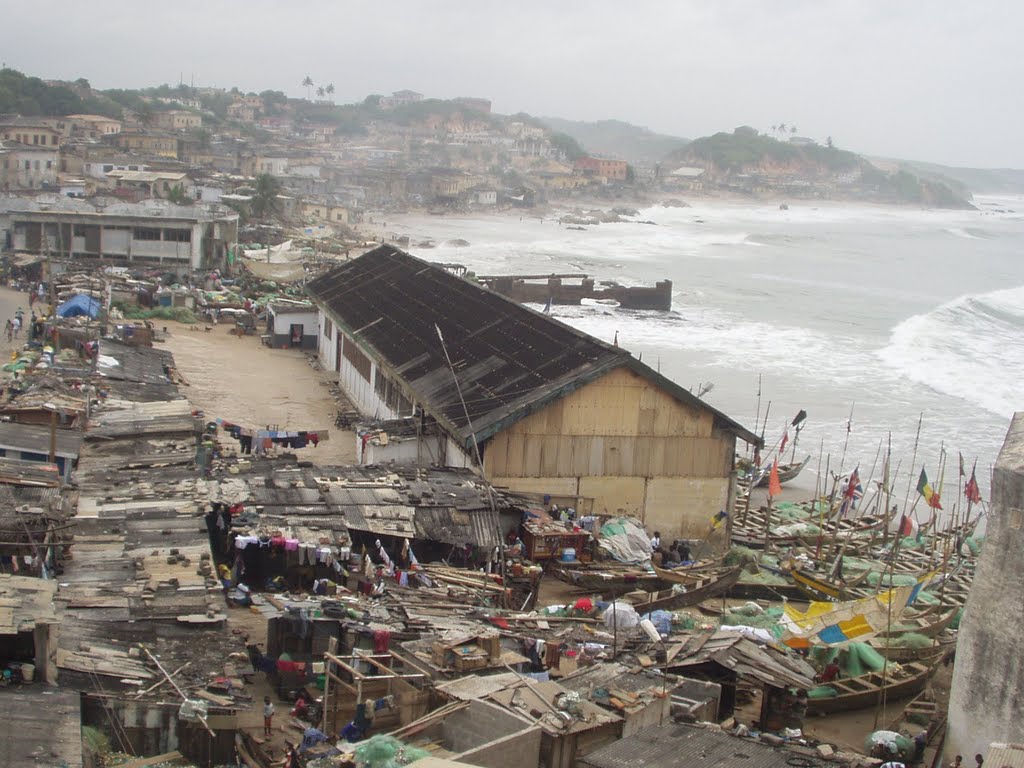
point(264, 199)
point(320, 92)
point(775, 128)
point(307, 81)
point(782, 127)
point(828, 142)
point(330, 90)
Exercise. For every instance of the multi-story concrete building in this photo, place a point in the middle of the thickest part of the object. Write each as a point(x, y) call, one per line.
point(179, 238)
point(27, 166)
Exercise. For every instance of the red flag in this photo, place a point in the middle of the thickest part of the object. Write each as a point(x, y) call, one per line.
point(785, 439)
point(971, 490)
point(774, 486)
point(906, 526)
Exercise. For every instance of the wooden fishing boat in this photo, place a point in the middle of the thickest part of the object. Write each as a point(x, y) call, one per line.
point(820, 588)
point(787, 472)
point(863, 691)
point(843, 530)
point(755, 590)
point(904, 654)
point(611, 580)
point(699, 586)
point(929, 625)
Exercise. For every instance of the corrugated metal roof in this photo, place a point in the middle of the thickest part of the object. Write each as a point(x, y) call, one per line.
point(746, 658)
point(1005, 755)
point(682, 745)
point(510, 360)
point(36, 439)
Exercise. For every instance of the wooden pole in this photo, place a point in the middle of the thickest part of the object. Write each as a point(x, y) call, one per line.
point(175, 686)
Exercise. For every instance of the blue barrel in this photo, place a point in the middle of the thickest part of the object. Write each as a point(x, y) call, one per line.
point(568, 555)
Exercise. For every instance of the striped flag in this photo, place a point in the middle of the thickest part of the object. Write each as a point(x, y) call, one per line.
point(924, 488)
point(971, 490)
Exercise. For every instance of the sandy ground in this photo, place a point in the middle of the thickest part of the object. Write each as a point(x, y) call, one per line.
point(241, 380)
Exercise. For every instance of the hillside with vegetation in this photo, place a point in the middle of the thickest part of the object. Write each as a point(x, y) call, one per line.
point(617, 139)
point(746, 159)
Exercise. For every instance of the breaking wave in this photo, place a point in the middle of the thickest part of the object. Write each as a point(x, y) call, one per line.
point(969, 348)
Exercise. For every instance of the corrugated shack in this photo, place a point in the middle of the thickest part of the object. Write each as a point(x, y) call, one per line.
point(30, 442)
point(476, 732)
point(640, 698)
point(674, 745)
point(555, 411)
point(734, 661)
point(29, 628)
point(571, 726)
point(292, 324)
point(140, 576)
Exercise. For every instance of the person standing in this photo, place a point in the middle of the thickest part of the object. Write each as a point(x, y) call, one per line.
point(268, 716)
point(656, 542)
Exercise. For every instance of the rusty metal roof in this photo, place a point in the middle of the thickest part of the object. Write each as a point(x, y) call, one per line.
point(674, 745)
point(510, 360)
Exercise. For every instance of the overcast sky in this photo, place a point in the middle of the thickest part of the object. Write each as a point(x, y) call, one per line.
point(936, 81)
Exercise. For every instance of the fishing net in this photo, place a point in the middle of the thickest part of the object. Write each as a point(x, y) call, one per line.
point(386, 752)
point(906, 640)
point(738, 555)
point(955, 624)
point(895, 744)
point(768, 620)
point(974, 544)
point(854, 659)
point(893, 580)
point(911, 542)
point(822, 692)
point(765, 577)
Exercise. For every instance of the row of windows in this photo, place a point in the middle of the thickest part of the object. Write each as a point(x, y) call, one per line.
point(33, 138)
point(32, 165)
point(169, 235)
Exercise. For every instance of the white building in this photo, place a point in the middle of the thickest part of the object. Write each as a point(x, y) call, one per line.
point(180, 238)
point(27, 166)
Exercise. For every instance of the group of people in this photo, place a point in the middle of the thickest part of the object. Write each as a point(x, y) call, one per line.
point(676, 554)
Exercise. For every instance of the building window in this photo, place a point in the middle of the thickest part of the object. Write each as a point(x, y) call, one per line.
point(146, 233)
point(178, 235)
point(53, 140)
point(108, 168)
point(28, 165)
point(49, 164)
point(359, 361)
point(328, 328)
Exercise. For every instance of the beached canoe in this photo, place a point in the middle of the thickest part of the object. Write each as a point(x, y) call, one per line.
point(904, 654)
point(929, 625)
point(699, 586)
point(787, 472)
point(825, 590)
point(864, 691)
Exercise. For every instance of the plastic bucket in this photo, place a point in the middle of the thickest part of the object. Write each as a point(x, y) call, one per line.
point(28, 672)
point(568, 555)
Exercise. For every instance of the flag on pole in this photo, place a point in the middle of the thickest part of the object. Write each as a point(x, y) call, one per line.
point(906, 525)
point(719, 518)
point(774, 486)
point(925, 489)
point(963, 473)
point(971, 490)
point(785, 439)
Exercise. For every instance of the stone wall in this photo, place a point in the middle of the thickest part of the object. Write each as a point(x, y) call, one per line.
point(986, 699)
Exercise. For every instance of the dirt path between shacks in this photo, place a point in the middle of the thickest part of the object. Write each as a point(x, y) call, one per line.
point(240, 380)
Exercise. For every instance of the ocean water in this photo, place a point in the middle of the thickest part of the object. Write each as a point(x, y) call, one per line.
point(895, 315)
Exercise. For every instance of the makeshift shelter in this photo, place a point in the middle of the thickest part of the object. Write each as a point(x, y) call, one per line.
point(80, 306)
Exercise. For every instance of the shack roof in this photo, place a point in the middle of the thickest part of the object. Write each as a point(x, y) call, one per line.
point(25, 602)
point(30, 438)
point(43, 726)
point(674, 744)
point(510, 360)
point(770, 665)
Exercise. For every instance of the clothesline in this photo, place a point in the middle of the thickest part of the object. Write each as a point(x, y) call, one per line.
point(261, 440)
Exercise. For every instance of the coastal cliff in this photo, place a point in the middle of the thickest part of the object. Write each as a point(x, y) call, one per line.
point(747, 161)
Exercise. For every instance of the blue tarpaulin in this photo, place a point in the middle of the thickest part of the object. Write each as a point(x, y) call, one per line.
point(79, 305)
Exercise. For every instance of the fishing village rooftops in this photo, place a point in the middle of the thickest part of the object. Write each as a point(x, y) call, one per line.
point(510, 360)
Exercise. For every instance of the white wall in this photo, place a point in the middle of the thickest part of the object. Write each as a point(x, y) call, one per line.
point(283, 322)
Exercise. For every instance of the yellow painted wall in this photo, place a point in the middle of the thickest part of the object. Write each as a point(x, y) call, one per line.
point(631, 447)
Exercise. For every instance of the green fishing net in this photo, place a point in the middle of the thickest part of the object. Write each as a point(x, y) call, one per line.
point(382, 751)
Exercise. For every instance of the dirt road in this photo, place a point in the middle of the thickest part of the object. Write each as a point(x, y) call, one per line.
point(241, 380)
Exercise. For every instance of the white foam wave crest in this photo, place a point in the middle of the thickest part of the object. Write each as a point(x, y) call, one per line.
point(969, 348)
point(731, 340)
